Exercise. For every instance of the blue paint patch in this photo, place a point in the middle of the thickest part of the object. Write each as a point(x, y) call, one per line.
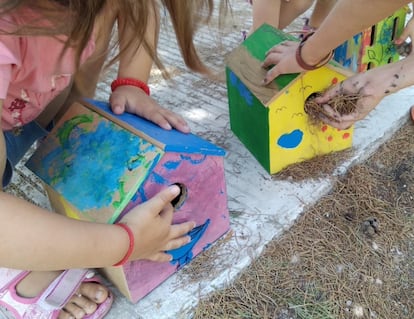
point(241, 88)
point(158, 179)
point(290, 140)
point(90, 178)
point(193, 161)
point(172, 165)
point(183, 255)
point(173, 140)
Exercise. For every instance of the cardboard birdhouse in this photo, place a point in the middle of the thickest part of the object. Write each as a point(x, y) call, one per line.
point(97, 166)
point(271, 120)
point(374, 46)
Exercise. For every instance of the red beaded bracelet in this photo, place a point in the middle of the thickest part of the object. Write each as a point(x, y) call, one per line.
point(130, 247)
point(302, 63)
point(130, 81)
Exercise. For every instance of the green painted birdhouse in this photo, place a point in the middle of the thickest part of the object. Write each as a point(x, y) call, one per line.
point(271, 121)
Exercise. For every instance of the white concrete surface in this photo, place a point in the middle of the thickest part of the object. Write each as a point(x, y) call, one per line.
point(261, 207)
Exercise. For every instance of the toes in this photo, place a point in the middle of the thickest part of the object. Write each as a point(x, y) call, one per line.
point(73, 311)
point(78, 307)
point(85, 301)
point(94, 292)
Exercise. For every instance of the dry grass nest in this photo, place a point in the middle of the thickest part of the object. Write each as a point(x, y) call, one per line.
point(342, 103)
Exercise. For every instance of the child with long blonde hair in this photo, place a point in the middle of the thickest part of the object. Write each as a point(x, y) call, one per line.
point(52, 52)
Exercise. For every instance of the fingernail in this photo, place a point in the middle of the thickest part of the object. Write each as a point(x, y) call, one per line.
point(174, 189)
point(186, 128)
point(117, 110)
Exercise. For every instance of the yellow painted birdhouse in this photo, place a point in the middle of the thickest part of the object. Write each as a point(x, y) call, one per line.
point(271, 121)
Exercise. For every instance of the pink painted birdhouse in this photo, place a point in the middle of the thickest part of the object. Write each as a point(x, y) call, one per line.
point(97, 166)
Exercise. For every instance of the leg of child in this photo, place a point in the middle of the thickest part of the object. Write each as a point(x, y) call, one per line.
point(320, 11)
point(290, 10)
point(265, 11)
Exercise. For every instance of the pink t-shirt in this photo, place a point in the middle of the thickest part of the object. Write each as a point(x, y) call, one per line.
point(32, 74)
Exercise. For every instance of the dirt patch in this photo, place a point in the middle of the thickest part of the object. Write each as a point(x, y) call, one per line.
point(349, 256)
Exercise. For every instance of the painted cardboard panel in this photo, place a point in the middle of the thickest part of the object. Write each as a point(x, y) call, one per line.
point(94, 164)
point(248, 118)
point(204, 201)
point(374, 46)
point(295, 138)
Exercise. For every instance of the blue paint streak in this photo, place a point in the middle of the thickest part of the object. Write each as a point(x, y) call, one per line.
point(291, 140)
point(244, 92)
point(158, 179)
point(184, 254)
point(193, 161)
point(172, 165)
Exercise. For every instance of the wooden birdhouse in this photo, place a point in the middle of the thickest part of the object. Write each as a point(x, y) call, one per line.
point(374, 46)
point(271, 120)
point(97, 166)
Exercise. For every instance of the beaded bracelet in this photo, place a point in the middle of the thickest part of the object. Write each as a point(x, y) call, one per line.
point(302, 63)
point(130, 247)
point(130, 81)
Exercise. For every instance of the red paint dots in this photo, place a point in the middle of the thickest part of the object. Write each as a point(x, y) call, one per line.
point(346, 135)
point(324, 128)
point(334, 80)
point(330, 138)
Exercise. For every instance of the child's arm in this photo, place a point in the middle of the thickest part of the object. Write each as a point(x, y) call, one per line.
point(35, 239)
point(345, 20)
point(137, 64)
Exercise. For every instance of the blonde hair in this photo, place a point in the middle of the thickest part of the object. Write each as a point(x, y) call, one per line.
point(76, 19)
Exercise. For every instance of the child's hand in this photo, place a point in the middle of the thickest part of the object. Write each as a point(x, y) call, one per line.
point(401, 41)
point(282, 60)
point(153, 231)
point(362, 84)
point(135, 101)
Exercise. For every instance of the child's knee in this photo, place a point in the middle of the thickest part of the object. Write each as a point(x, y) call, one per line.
point(300, 6)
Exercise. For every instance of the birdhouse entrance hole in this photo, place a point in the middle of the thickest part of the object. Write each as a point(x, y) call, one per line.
point(179, 200)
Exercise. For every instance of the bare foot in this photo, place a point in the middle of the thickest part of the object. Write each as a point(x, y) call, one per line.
point(84, 302)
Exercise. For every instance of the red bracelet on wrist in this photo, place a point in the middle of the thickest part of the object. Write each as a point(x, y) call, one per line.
point(302, 63)
point(130, 247)
point(130, 81)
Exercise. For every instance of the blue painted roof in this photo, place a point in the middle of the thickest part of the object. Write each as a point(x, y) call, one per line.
point(174, 141)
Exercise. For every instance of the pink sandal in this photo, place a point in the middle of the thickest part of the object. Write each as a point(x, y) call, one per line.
point(49, 303)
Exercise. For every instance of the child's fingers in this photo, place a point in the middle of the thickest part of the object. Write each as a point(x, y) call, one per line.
point(161, 257)
point(157, 205)
point(181, 230)
point(177, 243)
point(272, 74)
point(118, 102)
point(326, 96)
